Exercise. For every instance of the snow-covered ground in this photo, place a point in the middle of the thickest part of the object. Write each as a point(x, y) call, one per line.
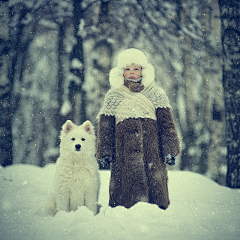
point(199, 209)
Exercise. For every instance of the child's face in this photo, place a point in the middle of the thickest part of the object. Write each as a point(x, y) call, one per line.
point(133, 71)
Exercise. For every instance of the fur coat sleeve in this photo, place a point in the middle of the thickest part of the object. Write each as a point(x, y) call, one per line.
point(106, 136)
point(169, 141)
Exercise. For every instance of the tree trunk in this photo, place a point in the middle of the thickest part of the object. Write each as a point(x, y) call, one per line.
point(5, 88)
point(77, 94)
point(190, 154)
point(207, 87)
point(216, 155)
point(230, 18)
point(101, 57)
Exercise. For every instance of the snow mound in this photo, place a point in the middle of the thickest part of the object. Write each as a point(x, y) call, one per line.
point(199, 209)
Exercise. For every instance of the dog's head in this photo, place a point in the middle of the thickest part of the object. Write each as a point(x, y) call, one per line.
point(77, 139)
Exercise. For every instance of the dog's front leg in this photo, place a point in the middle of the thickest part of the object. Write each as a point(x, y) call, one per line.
point(62, 200)
point(91, 202)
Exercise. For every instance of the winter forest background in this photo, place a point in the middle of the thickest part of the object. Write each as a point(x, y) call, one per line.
point(55, 56)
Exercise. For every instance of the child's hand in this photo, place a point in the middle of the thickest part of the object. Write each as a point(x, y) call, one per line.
point(170, 159)
point(105, 161)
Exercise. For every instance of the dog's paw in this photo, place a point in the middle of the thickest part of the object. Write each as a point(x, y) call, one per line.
point(98, 208)
point(51, 207)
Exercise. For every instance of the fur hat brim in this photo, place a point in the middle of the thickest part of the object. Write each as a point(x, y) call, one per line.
point(126, 58)
point(116, 77)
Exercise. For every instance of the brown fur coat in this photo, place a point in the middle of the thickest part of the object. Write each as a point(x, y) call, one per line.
point(139, 172)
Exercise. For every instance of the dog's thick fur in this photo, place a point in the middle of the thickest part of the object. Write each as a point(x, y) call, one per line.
point(76, 180)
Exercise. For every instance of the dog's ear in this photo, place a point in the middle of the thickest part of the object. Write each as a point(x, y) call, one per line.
point(68, 125)
point(88, 127)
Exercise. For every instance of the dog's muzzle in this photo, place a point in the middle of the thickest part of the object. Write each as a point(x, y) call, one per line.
point(77, 147)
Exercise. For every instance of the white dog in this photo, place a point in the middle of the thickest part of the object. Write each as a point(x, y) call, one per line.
point(76, 180)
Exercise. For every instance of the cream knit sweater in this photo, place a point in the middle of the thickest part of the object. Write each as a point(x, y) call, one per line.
point(123, 103)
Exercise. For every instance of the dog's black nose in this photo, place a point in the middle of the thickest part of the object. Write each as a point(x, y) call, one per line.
point(77, 146)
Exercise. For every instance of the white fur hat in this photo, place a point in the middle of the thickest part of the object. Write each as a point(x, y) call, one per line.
point(125, 59)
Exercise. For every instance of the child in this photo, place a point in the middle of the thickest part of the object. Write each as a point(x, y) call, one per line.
point(136, 132)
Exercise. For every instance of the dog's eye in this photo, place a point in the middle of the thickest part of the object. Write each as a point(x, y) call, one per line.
point(73, 139)
point(83, 139)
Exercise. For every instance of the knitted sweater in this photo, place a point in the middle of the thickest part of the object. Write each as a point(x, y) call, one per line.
point(123, 103)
